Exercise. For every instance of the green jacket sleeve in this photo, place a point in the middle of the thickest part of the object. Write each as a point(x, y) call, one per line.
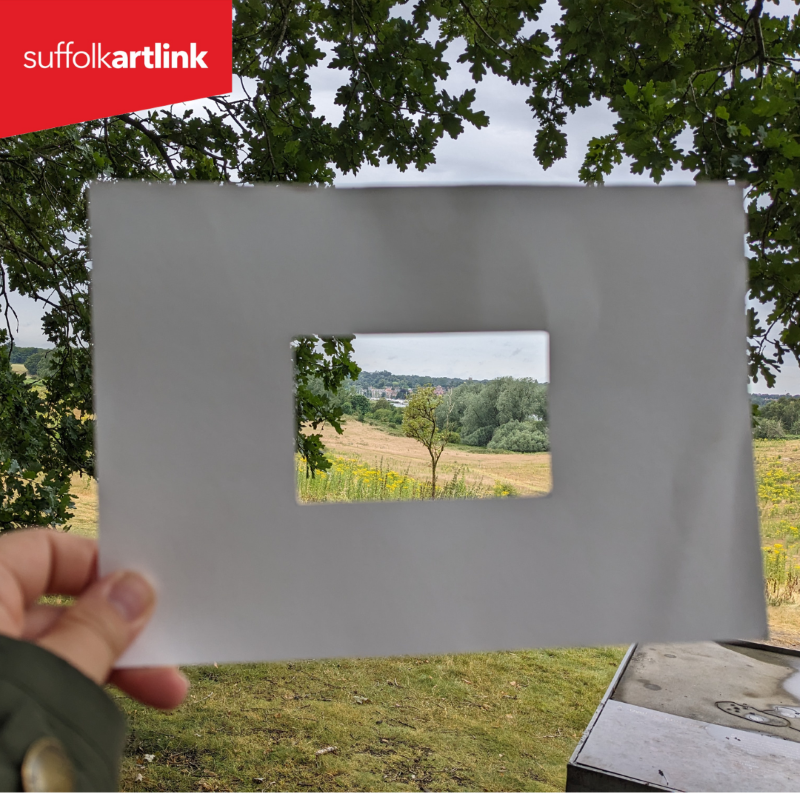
point(43, 698)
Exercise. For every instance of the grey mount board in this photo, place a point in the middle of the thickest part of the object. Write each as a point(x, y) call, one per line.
point(651, 530)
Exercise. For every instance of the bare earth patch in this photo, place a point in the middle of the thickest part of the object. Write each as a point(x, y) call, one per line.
point(528, 473)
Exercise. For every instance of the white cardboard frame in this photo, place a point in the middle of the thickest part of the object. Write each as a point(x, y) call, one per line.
point(651, 530)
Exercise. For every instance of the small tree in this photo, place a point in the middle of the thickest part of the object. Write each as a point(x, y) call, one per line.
point(420, 423)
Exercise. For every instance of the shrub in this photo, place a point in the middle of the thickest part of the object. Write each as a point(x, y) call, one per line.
point(480, 437)
point(769, 429)
point(521, 437)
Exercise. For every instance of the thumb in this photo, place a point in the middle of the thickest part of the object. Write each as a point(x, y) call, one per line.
point(92, 634)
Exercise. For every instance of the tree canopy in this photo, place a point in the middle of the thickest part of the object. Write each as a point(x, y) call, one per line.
point(707, 86)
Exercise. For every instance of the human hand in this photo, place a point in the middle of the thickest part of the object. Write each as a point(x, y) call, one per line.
point(93, 633)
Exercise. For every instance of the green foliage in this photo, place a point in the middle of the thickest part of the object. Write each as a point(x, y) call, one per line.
point(784, 413)
point(20, 354)
point(358, 404)
point(32, 363)
point(769, 429)
point(503, 414)
point(34, 466)
point(478, 437)
point(40, 362)
point(502, 489)
point(522, 437)
point(321, 364)
point(725, 74)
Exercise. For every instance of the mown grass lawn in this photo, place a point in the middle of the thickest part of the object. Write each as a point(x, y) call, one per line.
point(481, 722)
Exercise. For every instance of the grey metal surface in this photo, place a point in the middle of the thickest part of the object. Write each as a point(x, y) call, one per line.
point(682, 754)
point(732, 685)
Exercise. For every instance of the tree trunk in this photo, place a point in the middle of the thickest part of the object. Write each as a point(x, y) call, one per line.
point(433, 479)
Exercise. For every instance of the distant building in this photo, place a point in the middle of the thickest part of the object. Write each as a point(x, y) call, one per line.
point(439, 391)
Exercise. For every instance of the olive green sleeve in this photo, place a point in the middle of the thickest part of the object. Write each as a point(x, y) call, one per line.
point(43, 697)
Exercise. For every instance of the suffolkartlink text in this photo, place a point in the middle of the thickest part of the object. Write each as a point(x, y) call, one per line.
point(159, 56)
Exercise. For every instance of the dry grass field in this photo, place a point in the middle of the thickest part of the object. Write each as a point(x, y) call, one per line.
point(21, 368)
point(84, 490)
point(528, 473)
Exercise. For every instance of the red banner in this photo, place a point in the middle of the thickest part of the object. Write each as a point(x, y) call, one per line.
point(67, 61)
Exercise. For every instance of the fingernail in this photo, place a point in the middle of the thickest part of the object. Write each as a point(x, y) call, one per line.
point(131, 595)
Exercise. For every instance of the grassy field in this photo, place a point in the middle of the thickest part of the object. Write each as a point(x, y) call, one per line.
point(778, 482)
point(527, 474)
point(349, 480)
point(477, 722)
point(487, 722)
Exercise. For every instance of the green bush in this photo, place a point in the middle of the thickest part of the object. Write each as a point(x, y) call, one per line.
point(359, 405)
point(769, 429)
point(520, 437)
point(785, 410)
point(480, 437)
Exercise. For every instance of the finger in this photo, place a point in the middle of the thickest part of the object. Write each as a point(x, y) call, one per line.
point(39, 619)
point(160, 687)
point(106, 618)
point(41, 561)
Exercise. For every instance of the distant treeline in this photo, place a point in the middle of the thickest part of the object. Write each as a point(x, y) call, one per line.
point(382, 379)
point(763, 399)
point(34, 359)
point(500, 414)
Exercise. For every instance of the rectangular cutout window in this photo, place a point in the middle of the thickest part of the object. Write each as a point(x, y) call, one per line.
point(385, 417)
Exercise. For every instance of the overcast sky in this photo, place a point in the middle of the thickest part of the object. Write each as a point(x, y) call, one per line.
point(482, 356)
point(500, 153)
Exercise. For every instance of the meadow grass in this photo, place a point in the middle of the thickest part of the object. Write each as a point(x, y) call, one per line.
point(777, 465)
point(349, 480)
